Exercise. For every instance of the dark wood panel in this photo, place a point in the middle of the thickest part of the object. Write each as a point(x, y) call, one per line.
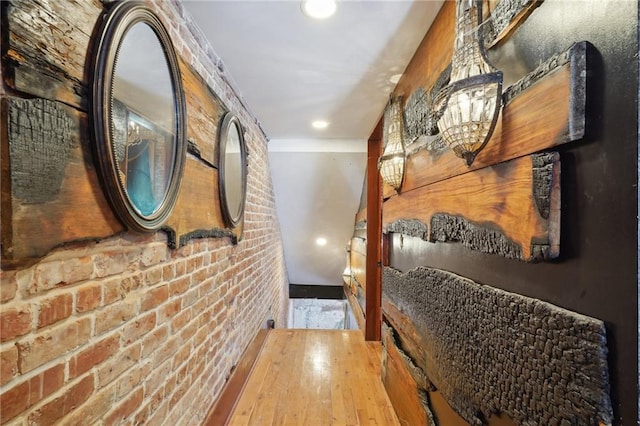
point(511, 209)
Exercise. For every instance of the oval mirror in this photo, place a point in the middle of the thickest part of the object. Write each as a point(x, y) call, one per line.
point(138, 113)
point(232, 170)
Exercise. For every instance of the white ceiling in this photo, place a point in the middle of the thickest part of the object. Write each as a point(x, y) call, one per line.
point(291, 70)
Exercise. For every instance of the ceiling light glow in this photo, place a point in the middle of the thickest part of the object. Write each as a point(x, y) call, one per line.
point(319, 9)
point(321, 241)
point(320, 124)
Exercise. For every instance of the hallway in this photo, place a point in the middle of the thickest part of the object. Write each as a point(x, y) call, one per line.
point(315, 377)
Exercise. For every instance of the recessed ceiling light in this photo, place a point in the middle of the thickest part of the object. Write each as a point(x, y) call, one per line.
point(395, 78)
point(319, 9)
point(321, 241)
point(320, 124)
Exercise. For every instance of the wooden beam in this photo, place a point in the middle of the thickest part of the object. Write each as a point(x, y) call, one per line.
point(511, 209)
point(373, 314)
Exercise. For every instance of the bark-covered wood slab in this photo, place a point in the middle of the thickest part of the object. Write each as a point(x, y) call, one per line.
point(50, 190)
point(490, 351)
point(511, 209)
point(543, 110)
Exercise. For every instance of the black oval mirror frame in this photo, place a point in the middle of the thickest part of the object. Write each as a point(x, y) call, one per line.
point(149, 138)
point(232, 170)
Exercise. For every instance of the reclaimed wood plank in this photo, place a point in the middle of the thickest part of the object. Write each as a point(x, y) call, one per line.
point(204, 114)
point(48, 44)
point(50, 189)
point(403, 391)
point(511, 209)
point(547, 114)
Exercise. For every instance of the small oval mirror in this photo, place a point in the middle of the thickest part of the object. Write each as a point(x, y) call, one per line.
point(232, 170)
point(138, 110)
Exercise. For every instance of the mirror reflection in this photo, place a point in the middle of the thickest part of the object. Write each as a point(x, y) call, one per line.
point(233, 171)
point(143, 113)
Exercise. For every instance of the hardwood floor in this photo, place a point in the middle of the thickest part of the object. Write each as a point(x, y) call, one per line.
point(315, 377)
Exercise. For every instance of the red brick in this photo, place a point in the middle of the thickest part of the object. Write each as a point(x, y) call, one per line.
point(125, 408)
point(167, 350)
point(8, 285)
point(154, 297)
point(114, 315)
point(94, 409)
point(153, 340)
point(155, 381)
point(168, 271)
point(112, 291)
point(57, 408)
point(52, 380)
point(139, 327)
point(15, 400)
point(153, 276)
point(14, 322)
point(130, 283)
point(8, 364)
point(89, 297)
point(179, 285)
point(133, 378)
point(54, 309)
point(188, 332)
point(168, 310)
point(59, 273)
point(180, 320)
point(118, 364)
point(189, 298)
point(110, 263)
point(94, 355)
point(181, 268)
point(52, 343)
point(154, 254)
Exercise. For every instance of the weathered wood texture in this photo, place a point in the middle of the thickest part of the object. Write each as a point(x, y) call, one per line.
point(204, 114)
point(358, 261)
point(407, 397)
point(504, 18)
point(314, 377)
point(489, 351)
point(50, 191)
point(511, 209)
point(48, 44)
point(547, 113)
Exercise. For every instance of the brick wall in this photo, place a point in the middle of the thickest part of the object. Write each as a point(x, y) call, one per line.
point(128, 331)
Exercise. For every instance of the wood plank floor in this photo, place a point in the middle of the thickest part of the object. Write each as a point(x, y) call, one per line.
point(315, 377)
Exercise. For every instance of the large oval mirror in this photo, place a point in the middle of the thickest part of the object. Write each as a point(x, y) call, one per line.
point(232, 170)
point(138, 113)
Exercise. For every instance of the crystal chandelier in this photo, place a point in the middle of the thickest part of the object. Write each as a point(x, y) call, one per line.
point(470, 104)
point(391, 163)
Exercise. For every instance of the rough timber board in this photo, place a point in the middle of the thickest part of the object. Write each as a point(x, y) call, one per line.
point(489, 351)
point(47, 47)
point(67, 204)
point(511, 209)
point(547, 111)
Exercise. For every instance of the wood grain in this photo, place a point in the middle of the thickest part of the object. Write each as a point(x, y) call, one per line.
point(204, 114)
point(536, 120)
point(220, 412)
point(373, 315)
point(48, 46)
point(77, 209)
point(402, 389)
point(314, 377)
point(499, 199)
